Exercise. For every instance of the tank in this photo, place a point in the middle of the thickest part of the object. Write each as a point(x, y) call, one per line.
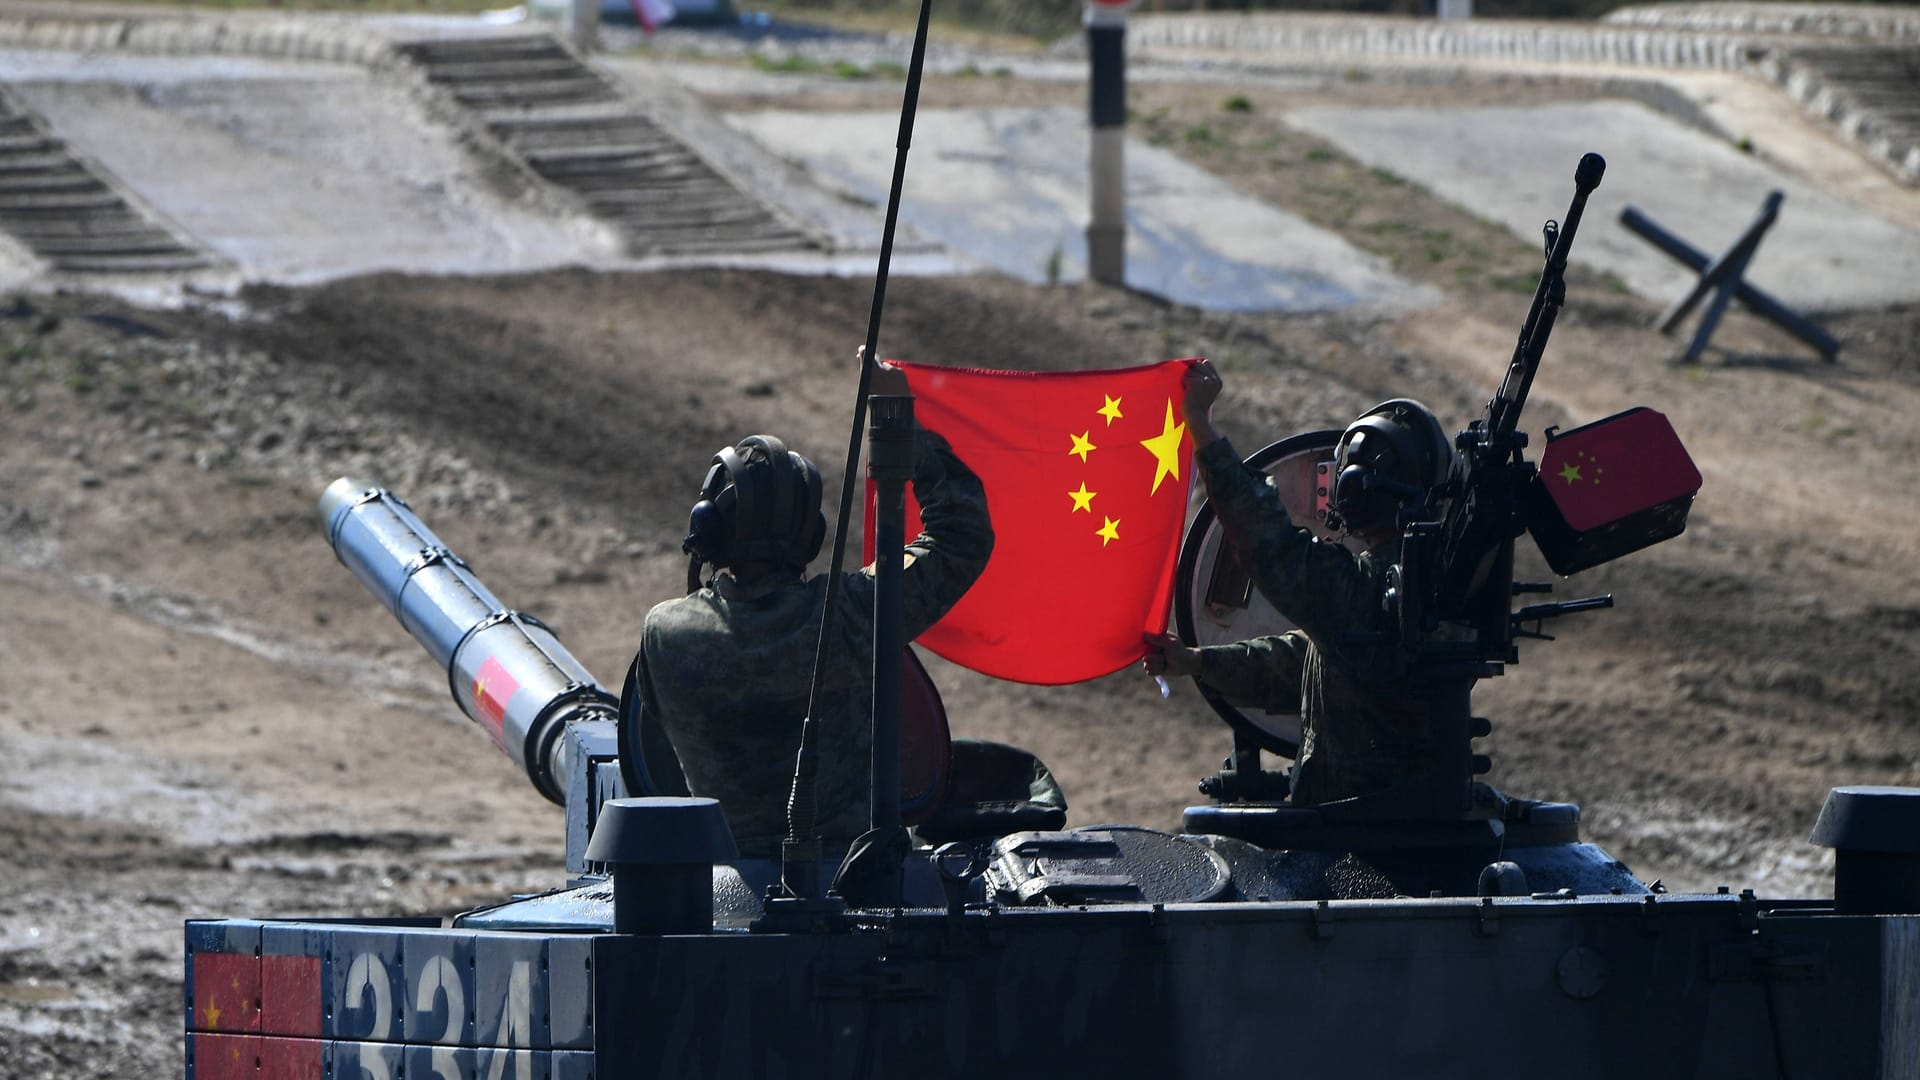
point(1438, 928)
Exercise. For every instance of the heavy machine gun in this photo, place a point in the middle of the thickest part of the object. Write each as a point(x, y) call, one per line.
point(1467, 560)
point(1451, 590)
point(1454, 583)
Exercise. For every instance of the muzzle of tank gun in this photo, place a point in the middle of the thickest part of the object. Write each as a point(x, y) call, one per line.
point(506, 670)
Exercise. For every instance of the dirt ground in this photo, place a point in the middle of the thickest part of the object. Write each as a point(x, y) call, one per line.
point(204, 714)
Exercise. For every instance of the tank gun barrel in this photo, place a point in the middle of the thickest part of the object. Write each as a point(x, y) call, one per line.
point(506, 670)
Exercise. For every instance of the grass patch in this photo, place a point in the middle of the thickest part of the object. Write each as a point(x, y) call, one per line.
point(791, 64)
point(1238, 103)
point(80, 381)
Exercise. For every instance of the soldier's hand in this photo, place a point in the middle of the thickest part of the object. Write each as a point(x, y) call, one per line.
point(1166, 656)
point(1202, 386)
point(886, 380)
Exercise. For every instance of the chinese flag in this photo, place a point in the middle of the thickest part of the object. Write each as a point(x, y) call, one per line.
point(1086, 474)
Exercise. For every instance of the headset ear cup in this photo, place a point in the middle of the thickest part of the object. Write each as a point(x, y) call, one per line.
point(706, 533)
point(1351, 499)
point(706, 538)
point(1348, 488)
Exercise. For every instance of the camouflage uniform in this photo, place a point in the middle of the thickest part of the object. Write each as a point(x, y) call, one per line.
point(724, 672)
point(1360, 732)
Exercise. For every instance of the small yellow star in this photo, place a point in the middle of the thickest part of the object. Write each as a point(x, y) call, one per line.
point(1082, 445)
point(1111, 410)
point(1165, 448)
point(1570, 472)
point(1082, 499)
point(1108, 533)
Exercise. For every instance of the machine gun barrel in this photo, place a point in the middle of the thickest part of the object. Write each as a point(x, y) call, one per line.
point(1555, 609)
point(1503, 412)
point(506, 670)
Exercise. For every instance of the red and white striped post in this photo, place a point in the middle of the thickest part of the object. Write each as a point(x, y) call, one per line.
point(1106, 22)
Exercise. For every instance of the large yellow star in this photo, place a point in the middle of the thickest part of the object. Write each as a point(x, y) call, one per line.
point(1165, 448)
point(1081, 444)
point(1108, 533)
point(213, 1011)
point(1111, 410)
point(1082, 499)
point(1570, 472)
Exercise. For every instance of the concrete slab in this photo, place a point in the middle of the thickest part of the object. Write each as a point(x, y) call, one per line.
point(1515, 165)
point(294, 171)
point(1009, 188)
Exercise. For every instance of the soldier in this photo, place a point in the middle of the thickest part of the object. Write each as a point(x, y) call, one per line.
point(1360, 727)
point(723, 674)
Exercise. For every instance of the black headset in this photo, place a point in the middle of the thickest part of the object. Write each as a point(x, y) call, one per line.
point(1395, 453)
point(760, 503)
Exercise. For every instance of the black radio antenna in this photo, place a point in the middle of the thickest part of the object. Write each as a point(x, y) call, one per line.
point(801, 853)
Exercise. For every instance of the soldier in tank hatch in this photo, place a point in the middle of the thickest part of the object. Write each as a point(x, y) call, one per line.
point(1360, 725)
point(723, 674)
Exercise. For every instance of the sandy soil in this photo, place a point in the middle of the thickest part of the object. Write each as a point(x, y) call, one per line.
point(203, 714)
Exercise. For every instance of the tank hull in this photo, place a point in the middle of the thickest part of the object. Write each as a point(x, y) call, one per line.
point(1682, 986)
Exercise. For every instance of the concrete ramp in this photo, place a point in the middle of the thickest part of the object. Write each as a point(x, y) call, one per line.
point(293, 171)
point(1515, 165)
point(573, 128)
point(62, 208)
point(1009, 189)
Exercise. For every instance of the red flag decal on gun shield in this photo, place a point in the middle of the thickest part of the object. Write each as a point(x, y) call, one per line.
point(1607, 470)
point(1086, 474)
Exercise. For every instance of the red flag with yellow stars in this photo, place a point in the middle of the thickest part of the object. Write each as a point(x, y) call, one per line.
point(1086, 474)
